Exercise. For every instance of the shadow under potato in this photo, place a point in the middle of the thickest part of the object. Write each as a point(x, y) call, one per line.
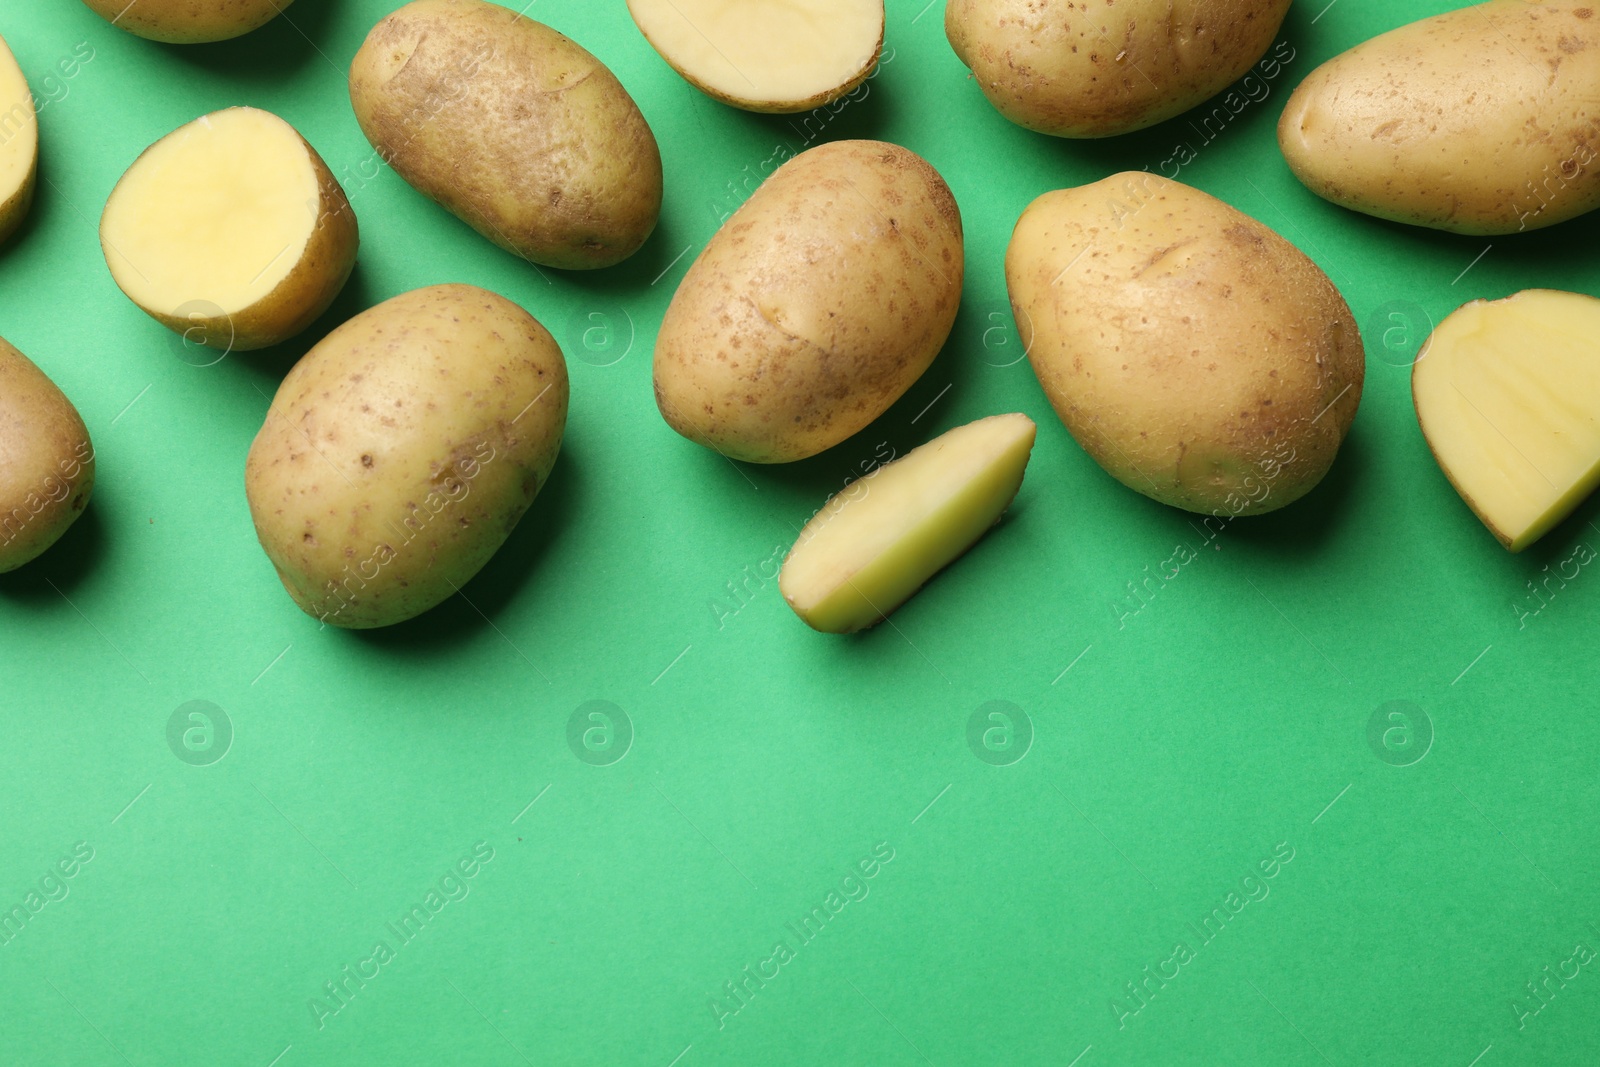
point(1298, 529)
point(858, 115)
point(270, 365)
point(464, 615)
point(627, 281)
point(1244, 112)
point(266, 55)
point(1540, 258)
point(63, 566)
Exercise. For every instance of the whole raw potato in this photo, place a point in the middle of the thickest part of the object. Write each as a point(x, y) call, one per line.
point(401, 451)
point(1094, 68)
point(46, 461)
point(188, 21)
point(511, 126)
point(1477, 121)
point(815, 307)
point(1199, 357)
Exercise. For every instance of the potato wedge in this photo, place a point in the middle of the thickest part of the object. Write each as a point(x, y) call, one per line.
point(1508, 395)
point(231, 231)
point(773, 56)
point(881, 538)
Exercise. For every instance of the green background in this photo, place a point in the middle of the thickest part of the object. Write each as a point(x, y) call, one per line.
point(1163, 752)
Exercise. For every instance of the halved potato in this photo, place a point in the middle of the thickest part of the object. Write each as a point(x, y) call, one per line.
point(774, 56)
point(878, 540)
point(230, 230)
point(1508, 395)
point(188, 21)
point(19, 144)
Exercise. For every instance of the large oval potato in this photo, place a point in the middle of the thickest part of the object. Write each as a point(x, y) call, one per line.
point(1199, 357)
point(402, 450)
point(188, 21)
point(231, 231)
point(815, 306)
point(513, 127)
point(1095, 68)
point(1477, 121)
point(46, 461)
point(19, 144)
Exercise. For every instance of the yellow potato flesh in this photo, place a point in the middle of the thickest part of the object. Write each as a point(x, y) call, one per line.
point(219, 212)
point(876, 542)
point(19, 142)
point(766, 55)
point(1508, 395)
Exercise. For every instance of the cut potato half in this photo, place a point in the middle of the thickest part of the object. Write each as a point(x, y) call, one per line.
point(230, 230)
point(1508, 395)
point(19, 144)
point(775, 56)
point(877, 541)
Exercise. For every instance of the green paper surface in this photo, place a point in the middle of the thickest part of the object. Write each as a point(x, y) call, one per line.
point(656, 775)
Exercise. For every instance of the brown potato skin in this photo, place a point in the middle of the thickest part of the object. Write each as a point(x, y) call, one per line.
point(14, 210)
point(188, 21)
point(513, 127)
point(816, 305)
point(1046, 65)
point(401, 451)
point(1196, 355)
point(1479, 121)
point(46, 461)
point(300, 298)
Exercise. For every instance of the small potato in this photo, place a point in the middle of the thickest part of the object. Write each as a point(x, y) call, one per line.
point(512, 127)
point(772, 56)
point(231, 231)
point(1200, 358)
point(1477, 121)
point(19, 144)
point(46, 461)
point(402, 450)
point(188, 21)
point(1095, 68)
point(815, 307)
point(873, 545)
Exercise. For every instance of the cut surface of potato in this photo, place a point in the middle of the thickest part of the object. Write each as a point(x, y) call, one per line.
point(233, 223)
point(878, 540)
point(19, 143)
point(766, 55)
point(1508, 395)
